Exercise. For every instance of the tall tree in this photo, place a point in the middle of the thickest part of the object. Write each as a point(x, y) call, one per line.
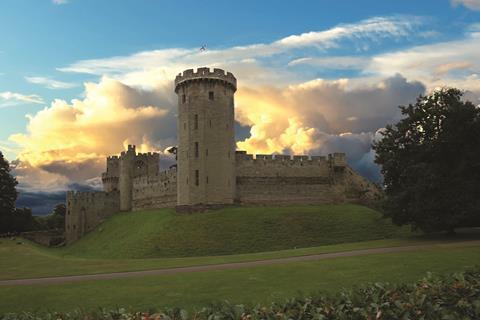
point(431, 163)
point(8, 194)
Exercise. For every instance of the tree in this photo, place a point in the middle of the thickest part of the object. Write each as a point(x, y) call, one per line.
point(431, 163)
point(8, 194)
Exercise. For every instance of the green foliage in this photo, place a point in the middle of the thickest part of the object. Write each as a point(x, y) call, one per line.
point(454, 297)
point(431, 163)
point(162, 233)
point(8, 195)
point(55, 220)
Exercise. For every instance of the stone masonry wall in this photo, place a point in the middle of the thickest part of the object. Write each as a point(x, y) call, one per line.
point(286, 180)
point(157, 190)
point(85, 210)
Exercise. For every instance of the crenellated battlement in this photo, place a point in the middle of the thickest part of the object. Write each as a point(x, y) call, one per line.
point(205, 74)
point(337, 158)
point(160, 176)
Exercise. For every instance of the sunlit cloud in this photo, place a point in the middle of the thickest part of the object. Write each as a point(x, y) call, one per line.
point(50, 83)
point(65, 137)
point(9, 99)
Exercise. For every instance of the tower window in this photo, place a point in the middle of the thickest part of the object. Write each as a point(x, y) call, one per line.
point(196, 149)
point(184, 98)
point(206, 152)
point(197, 178)
point(206, 179)
point(210, 123)
point(210, 95)
point(196, 122)
point(184, 126)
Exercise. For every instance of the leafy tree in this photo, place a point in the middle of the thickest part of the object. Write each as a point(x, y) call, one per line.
point(54, 220)
point(8, 194)
point(431, 163)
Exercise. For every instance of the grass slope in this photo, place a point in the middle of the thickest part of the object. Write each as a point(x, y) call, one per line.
point(162, 233)
point(250, 285)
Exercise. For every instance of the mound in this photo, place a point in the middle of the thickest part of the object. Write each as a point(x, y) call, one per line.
point(163, 233)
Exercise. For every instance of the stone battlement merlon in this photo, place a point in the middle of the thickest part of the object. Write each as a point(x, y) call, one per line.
point(205, 74)
point(337, 159)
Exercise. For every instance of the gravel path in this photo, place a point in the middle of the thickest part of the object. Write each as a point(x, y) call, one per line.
point(235, 265)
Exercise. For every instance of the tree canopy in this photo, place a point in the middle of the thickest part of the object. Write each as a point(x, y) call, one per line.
point(8, 194)
point(430, 161)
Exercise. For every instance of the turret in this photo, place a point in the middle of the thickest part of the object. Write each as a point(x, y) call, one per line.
point(125, 182)
point(205, 131)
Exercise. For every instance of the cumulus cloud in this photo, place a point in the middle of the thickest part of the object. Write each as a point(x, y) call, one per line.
point(59, 2)
point(50, 83)
point(9, 99)
point(293, 118)
point(471, 4)
point(67, 142)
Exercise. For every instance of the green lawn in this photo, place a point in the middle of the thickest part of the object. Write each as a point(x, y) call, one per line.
point(162, 233)
point(28, 260)
point(250, 285)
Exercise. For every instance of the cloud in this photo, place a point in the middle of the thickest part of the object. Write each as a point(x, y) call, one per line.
point(50, 83)
point(335, 62)
point(9, 99)
point(301, 118)
point(249, 63)
point(450, 63)
point(68, 142)
point(59, 2)
point(471, 4)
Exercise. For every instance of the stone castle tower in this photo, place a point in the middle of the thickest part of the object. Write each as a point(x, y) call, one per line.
point(206, 137)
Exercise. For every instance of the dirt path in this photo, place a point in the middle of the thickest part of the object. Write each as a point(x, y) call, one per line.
point(235, 265)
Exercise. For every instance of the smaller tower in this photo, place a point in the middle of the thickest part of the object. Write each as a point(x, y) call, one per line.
point(111, 176)
point(125, 182)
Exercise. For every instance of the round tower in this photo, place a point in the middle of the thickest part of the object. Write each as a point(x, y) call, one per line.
point(205, 132)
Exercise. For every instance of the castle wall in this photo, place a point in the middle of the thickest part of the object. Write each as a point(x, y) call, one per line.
point(287, 180)
point(282, 179)
point(85, 210)
point(158, 190)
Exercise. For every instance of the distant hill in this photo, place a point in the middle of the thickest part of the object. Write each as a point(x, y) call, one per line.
point(163, 233)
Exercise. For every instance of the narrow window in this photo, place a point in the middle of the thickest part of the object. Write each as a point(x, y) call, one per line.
point(187, 180)
point(184, 98)
point(206, 152)
point(196, 122)
point(210, 95)
point(184, 126)
point(196, 149)
point(210, 122)
point(197, 177)
point(207, 179)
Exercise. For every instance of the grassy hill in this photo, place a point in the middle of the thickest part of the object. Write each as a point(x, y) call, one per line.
point(162, 233)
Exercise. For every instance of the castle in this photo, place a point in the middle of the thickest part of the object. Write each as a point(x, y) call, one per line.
point(209, 171)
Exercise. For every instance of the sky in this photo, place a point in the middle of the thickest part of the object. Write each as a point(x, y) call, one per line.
point(81, 79)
